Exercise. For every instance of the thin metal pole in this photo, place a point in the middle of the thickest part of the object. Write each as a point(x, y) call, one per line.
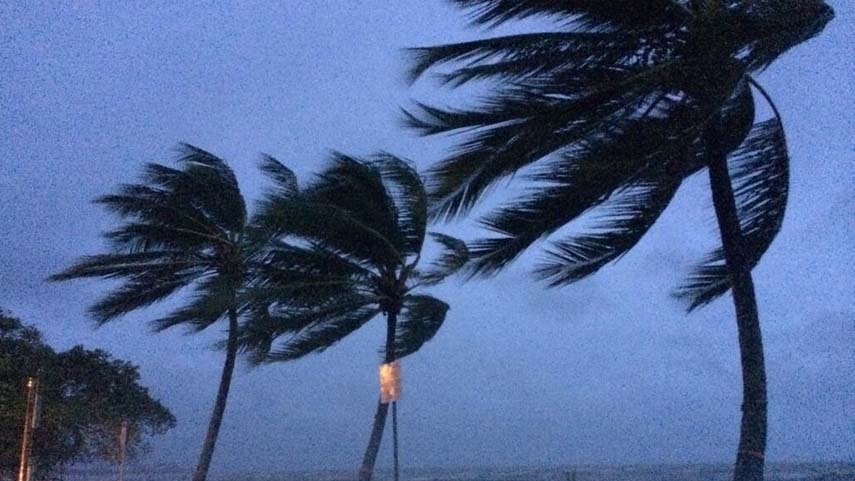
point(395, 437)
point(123, 449)
point(30, 418)
point(37, 408)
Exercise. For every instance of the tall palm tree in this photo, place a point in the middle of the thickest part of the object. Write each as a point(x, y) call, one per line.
point(183, 227)
point(347, 249)
point(608, 113)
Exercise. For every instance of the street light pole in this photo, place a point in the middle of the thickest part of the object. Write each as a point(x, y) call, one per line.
point(25, 471)
point(123, 449)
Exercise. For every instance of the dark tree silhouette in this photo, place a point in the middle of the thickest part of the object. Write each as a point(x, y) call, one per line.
point(183, 227)
point(347, 249)
point(609, 113)
point(85, 397)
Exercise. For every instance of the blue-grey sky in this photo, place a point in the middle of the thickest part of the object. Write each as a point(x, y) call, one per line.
point(610, 370)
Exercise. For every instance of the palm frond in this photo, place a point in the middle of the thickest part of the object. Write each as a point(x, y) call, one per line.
point(759, 170)
point(349, 207)
point(544, 211)
point(301, 219)
point(196, 204)
point(165, 210)
point(320, 335)
point(312, 260)
point(773, 27)
point(306, 293)
point(211, 186)
point(267, 321)
point(514, 57)
point(421, 318)
point(298, 280)
point(407, 191)
point(148, 277)
point(273, 210)
point(211, 301)
point(569, 96)
point(624, 220)
point(111, 266)
point(584, 177)
point(596, 15)
point(143, 237)
point(454, 256)
point(356, 186)
point(529, 132)
point(141, 290)
point(284, 179)
point(153, 205)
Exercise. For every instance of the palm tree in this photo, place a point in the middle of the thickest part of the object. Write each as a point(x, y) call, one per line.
point(347, 249)
point(608, 113)
point(183, 227)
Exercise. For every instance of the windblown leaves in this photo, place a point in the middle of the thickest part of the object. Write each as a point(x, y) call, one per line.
point(536, 55)
point(609, 110)
point(588, 14)
point(759, 170)
point(454, 256)
point(528, 123)
point(639, 161)
point(421, 318)
point(624, 220)
point(181, 227)
point(775, 26)
point(405, 187)
point(321, 334)
point(211, 301)
point(346, 248)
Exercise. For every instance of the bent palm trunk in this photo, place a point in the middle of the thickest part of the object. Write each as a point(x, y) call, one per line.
point(220, 404)
point(366, 471)
point(367, 468)
point(750, 457)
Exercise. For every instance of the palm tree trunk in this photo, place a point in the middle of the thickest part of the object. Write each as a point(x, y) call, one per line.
point(750, 457)
point(220, 404)
point(366, 471)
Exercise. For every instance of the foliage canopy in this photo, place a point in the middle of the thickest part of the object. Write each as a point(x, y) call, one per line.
point(85, 396)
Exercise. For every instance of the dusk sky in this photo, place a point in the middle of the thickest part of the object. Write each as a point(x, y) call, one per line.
point(609, 370)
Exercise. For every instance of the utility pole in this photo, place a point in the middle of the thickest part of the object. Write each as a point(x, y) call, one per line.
point(123, 448)
point(31, 419)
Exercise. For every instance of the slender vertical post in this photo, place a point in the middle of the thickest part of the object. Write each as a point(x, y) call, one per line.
point(395, 437)
point(37, 408)
point(25, 470)
point(123, 449)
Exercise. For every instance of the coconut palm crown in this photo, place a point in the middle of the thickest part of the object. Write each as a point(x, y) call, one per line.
point(183, 227)
point(607, 115)
point(344, 250)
